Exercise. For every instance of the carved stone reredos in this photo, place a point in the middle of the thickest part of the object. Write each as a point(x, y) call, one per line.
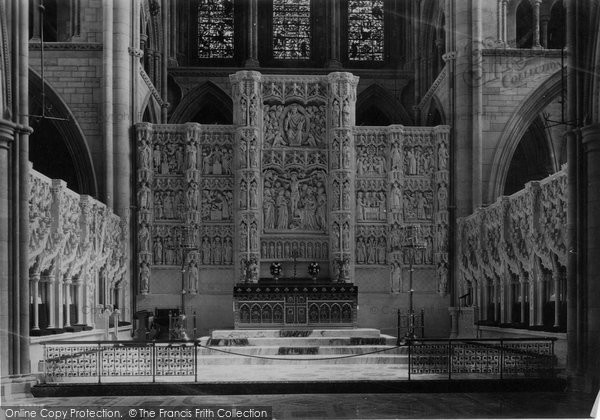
point(293, 177)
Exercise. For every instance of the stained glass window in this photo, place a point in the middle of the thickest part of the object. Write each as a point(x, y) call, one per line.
point(291, 29)
point(365, 30)
point(215, 28)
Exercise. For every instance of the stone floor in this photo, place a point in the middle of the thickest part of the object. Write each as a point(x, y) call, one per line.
point(363, 406)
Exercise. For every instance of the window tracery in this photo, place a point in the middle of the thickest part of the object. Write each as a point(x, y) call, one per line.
point(365, 30)
point(215, 29)
point(291, 29)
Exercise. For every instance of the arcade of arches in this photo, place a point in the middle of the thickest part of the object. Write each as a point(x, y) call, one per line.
point(231, 140)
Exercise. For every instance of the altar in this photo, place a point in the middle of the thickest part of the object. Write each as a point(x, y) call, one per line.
point(295, 304)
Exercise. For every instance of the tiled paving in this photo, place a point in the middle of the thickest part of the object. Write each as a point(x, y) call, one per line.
point(366, 406)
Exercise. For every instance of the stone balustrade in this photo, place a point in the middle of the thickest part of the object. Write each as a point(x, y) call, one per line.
point(77, 258)
point(512, 257)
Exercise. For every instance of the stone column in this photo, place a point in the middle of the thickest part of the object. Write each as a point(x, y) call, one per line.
point(334, 21)
point(79, 301)
point(556, 283)
point(35, 284)
point(340, 121)
point(6, 200)
point(509, 298)
point(504, 23)
point(590, 135)
point(107, 101)
point(536, 24)
point(50, 281)
point(544, 30)
point(247, 118)
point(67, 301)
point(251, 34)
point(164, 11)
point(502, 282)
point(523, 299)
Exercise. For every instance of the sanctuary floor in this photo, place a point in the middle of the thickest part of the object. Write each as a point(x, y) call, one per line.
point(364, 406)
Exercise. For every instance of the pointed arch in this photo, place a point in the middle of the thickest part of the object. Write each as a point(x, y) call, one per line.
point(69, 131)
point(206, 95)
point(515, 128)
point(376, 98)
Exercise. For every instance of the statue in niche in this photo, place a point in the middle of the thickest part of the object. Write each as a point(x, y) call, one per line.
point(294, 126)
point(145, 155)
point(252, 271)
point(252, 110)
point(382, 209)
point(227, 161)
point(253, 195)
point(381, 251)
point(144, 278)
point(206, 254)
point(396, 159)
point(346, 112)
point(345, 237)
point(243, 237)
point(371, 251)
point(361, 251)
point(442, 272)
point(360, 206)
point(228, 251)
point(269, 209)
point(169, 252)
point(156, 156)
point(180, 159)
point(243, 156)
point(441, 239)
point(279, 253)
point(158, 206)
point(335, 231)
point(254, 238)
point(425, 162)
point(206, 166)
point(335, 113)
point(321, 213)
point(346, 154)
point(282, 209)
point(346, 195)
point(217, 250)
point(191, 157)
point(420, 203)
point(244, 110)
point(360, 166)
point(336, 195)
point(442, 196)
point(253, 155)
point(411, 162)
point(193, 278)
point(286, 250)
point(164, 164)
point(225, 205)
point(243, 195)
point(144, 238)
point(158, 251)
point(217, 161)
point(144, 197)
point(442, 156)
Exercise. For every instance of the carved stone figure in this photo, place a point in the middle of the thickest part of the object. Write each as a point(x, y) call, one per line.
point(158, 251)
point(144, 239)
point(144, 278)
point(361, 251)
point(193, 278)
point(294, 126)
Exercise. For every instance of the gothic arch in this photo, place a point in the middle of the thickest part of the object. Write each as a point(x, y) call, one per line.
point(376, 97)
point(195, 100)
point(517, 125)
point(70, 132)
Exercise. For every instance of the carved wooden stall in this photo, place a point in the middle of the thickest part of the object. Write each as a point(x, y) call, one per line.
point(294, 182)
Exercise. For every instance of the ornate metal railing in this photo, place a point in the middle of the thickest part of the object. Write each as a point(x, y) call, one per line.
point(177, 361)
point(90, 362)
point(496, 357)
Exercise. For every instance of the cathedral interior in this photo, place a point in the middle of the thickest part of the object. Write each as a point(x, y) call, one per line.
point(179, 169)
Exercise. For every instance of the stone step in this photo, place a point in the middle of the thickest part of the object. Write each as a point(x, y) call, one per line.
point(302, 341)
point(301, 350)
point(374, 359)
point(286, 333)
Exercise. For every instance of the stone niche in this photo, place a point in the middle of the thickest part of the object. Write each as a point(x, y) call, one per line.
point(292, 178)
